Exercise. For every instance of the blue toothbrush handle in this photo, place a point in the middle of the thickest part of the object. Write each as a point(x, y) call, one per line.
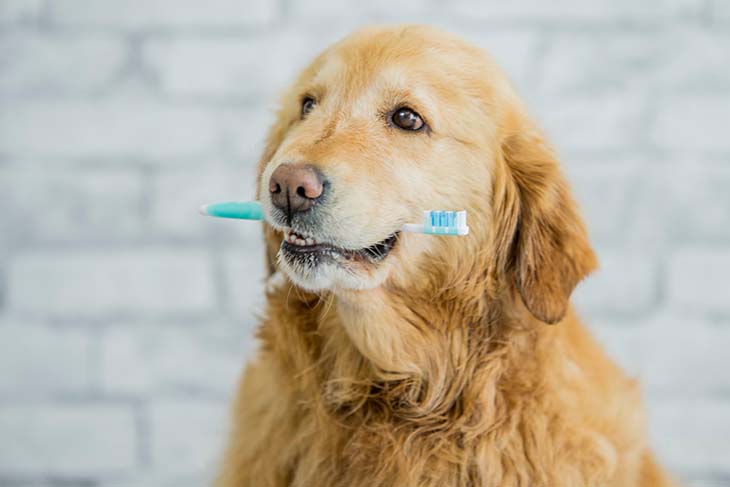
point(241, 210)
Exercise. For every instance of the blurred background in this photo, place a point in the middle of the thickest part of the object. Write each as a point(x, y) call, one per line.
point(125, 317)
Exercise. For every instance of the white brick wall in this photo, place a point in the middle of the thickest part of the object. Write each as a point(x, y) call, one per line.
point(67, 439)
point(19, 11)
point(231, 68)
point(151, 14)
point(720, 9)
point(125, 318)
point(597, 122)
point(44, 361)
point(173, 420)
point(695, 433)
point(42, 62)
point(697, 281)
point(578, 10)
point(624, 285)
point(606, 187)
point(76, 204)
point(693, 123)
point(107, 283)
point(174, 211)
point(204, 358)
point(244, 268)
point(133, 128)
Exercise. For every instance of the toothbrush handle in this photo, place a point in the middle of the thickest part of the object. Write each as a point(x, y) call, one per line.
point(412, 227)
point(418, 228)
point(242, 210)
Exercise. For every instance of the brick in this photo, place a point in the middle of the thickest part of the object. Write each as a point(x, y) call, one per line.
point(150, 14)
point(691, 434)
point(596, 122)
point(705, 479)
point(20, 482)
point(40, 361)
point(623, 341)
point(51, 63)
point(20, 10)
point(53, 204)
point(576, 10)
point(650, 221)
point(246, 272)
point(625, 284)
point(67, 440)
point(99, 283)
point(249, 127)
point(514, 51)
point(688, 349)
point(720, 9)
point(697, 280)
point(605, 190)
point(696, 202)
point(693, 122)
point(187, 436)
point(682, 67)
point(157, 479)
point(354, 9)
point(117, 128)
point(673, 360)
point(153, 360)
point(670, 355)
point(589, 62)
point(260, 65)
point(178, 193)
point(244, 67)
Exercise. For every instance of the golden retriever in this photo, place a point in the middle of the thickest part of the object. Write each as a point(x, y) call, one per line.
point(410, 360)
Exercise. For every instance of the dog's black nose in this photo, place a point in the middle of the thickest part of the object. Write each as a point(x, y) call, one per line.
point(295, 188)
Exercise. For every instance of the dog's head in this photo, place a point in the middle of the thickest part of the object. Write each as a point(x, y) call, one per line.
point(393, 121)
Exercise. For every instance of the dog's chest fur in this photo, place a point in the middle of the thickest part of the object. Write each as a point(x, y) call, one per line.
point(494, 418)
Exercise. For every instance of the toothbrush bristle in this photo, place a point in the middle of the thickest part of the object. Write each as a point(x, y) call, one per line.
point(444, 219)
point(440, 222)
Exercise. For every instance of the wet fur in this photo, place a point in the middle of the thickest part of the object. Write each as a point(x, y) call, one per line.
point(447, 373)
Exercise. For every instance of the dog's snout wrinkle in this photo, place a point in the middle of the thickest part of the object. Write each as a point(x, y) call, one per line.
point(328, 131)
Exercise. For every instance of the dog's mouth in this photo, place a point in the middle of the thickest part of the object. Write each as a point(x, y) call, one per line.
point(304, 248)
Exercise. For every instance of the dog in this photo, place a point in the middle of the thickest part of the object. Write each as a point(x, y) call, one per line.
point(404, 360)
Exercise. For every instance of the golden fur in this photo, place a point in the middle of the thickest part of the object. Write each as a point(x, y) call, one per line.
point(438, 367)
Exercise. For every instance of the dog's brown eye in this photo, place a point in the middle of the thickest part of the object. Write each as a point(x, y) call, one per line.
point(407, 119)
point(308, 105)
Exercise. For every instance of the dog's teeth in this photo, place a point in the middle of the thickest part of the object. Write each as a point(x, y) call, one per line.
point(300, 239)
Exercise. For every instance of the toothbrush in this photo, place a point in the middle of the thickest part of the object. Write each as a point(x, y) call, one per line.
point(435, 222)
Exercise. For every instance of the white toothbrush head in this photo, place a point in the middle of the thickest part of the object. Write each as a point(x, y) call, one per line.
point(440, 222)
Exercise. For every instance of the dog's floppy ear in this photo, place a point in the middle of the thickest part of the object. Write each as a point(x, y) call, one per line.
point(541, 241)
